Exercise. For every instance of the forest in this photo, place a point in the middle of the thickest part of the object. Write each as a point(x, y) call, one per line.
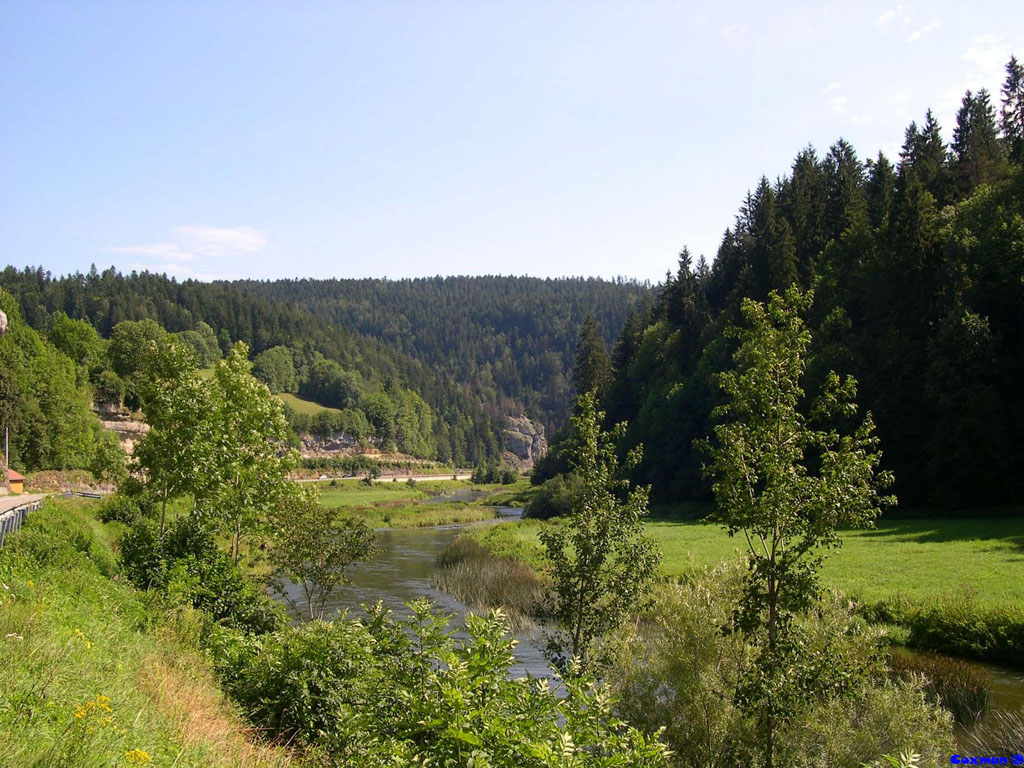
point(915, 265)
point(435, 379)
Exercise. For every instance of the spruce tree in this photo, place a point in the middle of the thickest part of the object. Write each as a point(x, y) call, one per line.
point(976, 147)
point(1012, 114)
point(592, 371)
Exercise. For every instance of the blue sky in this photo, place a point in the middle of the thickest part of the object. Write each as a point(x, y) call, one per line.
point(349, 139)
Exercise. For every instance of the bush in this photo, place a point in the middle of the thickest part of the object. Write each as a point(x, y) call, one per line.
point(189, 566)
point(681, 669)
point(959, 627)
point(121, 509)
point(555, 498)
point(949, 683)
point(385, 692)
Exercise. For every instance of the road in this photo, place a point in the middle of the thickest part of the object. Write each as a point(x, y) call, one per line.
point(10, 502)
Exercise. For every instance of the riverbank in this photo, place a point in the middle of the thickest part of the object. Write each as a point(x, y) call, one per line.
point(94, 673)
point(420, 503)
point(953, 586)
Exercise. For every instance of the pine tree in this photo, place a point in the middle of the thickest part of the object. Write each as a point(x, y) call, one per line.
point(976, 148)
point(592, 371)
point(1012, 116)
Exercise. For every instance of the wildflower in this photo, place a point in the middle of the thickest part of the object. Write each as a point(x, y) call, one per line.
point(137, 756)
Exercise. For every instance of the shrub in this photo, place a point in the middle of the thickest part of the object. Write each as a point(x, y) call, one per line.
point(959, 627)
point(949, 683)
point(555, 498)
point(385, 692)
point(121, 508)
point(680, 670)
point(188, 565)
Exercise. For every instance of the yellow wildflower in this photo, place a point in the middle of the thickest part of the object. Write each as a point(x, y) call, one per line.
point(137, 756)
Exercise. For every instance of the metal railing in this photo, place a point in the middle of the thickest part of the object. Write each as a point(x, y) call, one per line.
point(12, 519)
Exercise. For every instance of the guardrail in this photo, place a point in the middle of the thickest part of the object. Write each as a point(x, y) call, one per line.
point(12, 519)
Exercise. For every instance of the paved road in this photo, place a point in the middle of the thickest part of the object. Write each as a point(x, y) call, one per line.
point(10, 502)
point(386, 478)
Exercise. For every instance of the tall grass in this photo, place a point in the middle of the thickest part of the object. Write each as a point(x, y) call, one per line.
point(1002, 733)
point(949, 683)
point(94, 674)
point(481, 580)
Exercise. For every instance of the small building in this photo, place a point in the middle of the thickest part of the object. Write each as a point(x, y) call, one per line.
point(16, 481)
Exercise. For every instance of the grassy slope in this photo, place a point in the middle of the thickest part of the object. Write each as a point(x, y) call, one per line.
point(69, 633)
point(915, 559)
point(299, 404)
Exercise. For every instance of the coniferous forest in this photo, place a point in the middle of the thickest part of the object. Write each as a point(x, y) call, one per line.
point(916, 265)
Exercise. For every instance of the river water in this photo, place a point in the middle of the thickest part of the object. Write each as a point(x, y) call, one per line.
point(399, 573)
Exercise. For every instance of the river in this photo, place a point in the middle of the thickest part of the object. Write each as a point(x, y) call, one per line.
point(399, 573)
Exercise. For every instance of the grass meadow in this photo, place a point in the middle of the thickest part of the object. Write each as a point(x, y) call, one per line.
point(913, 559)
point(401, 505)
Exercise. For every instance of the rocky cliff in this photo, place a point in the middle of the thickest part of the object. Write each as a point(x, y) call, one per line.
point(524, 441)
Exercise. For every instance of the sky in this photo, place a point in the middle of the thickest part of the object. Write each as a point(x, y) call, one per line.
point(403, 138)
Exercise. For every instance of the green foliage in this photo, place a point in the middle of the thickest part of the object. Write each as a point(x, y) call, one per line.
point(787, 486)
point(677, 669)
point(382, 692)
point(592, 370)
point(556, 498)
point(109, 462)
point(42, 400)
point(959, 627)
point(601, 563)
point(189, 567)
point(275, 367)
point(121, 508)
point(494, 473)
point(78, 340)
point(312, 547)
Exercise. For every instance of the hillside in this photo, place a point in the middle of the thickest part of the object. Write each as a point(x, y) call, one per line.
point(434, 366)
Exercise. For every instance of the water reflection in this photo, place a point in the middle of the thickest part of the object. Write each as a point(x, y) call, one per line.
point(400, 572)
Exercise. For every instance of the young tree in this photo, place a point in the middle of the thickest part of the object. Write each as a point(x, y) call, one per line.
point(312, 547)
point(177, 454)
point(601, 562)
point(248, 477)
point(787, 485)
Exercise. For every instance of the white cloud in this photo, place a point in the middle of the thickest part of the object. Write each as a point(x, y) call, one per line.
point(191, 246)
point(917, 34)
point(884, 20)
point(835, 98)
point(862, 119)
point(988, 55)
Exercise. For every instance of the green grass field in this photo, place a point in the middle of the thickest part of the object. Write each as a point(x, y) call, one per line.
point(914, 559)
point(301, 405)
point(400, 505)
